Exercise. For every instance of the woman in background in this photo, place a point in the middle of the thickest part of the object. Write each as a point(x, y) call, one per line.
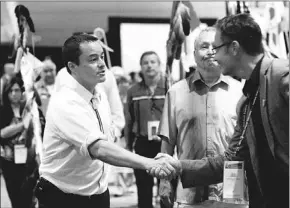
point(17, 140)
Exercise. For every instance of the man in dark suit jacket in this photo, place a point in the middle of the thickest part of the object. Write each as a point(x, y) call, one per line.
point(261, 137)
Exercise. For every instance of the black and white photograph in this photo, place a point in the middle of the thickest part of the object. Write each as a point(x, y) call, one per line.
point(144, 104)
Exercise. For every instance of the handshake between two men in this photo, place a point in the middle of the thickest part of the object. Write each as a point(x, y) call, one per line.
point(166, 167)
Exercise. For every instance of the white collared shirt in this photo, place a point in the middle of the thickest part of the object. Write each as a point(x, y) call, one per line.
point(71, 126)
point(112, 92)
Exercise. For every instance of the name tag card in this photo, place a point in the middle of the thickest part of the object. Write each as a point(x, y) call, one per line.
point(152, 129)
point(20, 154)
point(233, 190)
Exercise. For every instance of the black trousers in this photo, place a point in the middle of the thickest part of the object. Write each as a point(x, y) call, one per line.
point(49, 196)
point(19, 183)
point(144, 181)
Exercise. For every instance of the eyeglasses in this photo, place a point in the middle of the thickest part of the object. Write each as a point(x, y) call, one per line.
point(222, 45)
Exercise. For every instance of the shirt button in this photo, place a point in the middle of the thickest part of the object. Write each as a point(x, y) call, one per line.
point(208, 106)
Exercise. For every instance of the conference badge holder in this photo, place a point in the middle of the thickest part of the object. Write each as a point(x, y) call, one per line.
point(20, 154)
point(152, 127)
point(234, 188)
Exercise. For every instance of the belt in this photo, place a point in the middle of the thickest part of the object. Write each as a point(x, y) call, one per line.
point(47, 186)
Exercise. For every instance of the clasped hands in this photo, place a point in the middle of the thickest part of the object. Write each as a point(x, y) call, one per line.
point(165, 166)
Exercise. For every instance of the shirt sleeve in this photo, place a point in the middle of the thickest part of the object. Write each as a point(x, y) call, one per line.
point(76, 124)
point(167, 126)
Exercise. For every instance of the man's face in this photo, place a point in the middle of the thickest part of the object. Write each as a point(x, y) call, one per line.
point(48, 75)
point(15, 94)
point(91, 69)
point(223, 55)
point(204, 55)
point(150, 65)
point(9, 69)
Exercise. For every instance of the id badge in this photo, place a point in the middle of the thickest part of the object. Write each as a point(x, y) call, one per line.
point(233, 189)
point(20, 154)
point(152, 127)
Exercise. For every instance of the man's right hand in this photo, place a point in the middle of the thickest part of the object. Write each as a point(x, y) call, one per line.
point(171, 163)
point(166, 193)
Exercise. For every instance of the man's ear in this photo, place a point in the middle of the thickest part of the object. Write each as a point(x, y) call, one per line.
point(72, 66)
point(235, 47)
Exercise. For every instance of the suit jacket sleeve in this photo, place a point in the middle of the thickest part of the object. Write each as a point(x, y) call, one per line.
point(284, 87)
point(129, 117)
point(209, 170)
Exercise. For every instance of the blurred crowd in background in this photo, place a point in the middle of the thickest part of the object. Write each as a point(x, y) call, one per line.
point(13, 97)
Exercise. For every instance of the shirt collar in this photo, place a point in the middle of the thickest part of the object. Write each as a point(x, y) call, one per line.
point(160, 84)
point(197, 78)
point(79, 89)
point(252, 84)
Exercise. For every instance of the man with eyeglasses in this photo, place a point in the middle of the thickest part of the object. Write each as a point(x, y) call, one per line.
point(198, 118)
point(145, 102)
point(261, 137)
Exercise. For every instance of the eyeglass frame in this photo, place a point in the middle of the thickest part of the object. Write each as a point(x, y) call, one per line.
point(222, 45)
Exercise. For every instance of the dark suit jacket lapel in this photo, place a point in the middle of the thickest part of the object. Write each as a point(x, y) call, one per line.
point(264, 96)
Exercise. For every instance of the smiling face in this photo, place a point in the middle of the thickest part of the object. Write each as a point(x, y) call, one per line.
point(203, 53)
point(224, 55)
point(91, 69)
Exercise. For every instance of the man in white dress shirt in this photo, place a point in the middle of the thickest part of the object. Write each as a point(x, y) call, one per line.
point(110, 88)
point(77, 138)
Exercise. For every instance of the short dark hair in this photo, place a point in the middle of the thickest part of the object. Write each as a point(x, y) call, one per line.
point(244, 29)
point(146, 53)
point(71, 48)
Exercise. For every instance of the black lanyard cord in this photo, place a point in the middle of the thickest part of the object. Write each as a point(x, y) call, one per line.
point(246, 120)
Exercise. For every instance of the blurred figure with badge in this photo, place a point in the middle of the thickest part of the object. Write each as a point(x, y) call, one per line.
point(145, 102)
point(17, 140)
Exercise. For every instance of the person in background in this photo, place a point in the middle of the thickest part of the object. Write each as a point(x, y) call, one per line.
point(145, 102)
point(198, 120)
point(17, 133)
point(124, 176)
point(136, 77)
point(123, 82)
point(45, 86)
point(6, 77)
point(117, 110)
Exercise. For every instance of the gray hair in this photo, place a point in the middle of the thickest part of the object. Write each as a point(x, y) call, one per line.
point(207, 29)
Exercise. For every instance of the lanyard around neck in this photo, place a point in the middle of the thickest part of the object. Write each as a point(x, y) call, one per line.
point(246, 120)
